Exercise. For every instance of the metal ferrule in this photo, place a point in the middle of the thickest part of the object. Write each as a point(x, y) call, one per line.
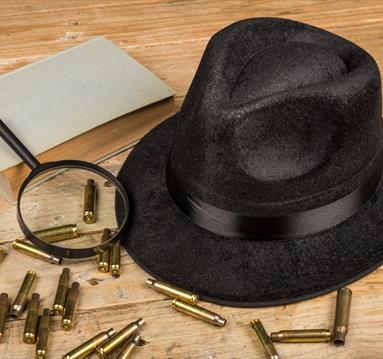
point(115, 259)
point(70, 307)
point(3, 253)
point(89, 346)
point(104, 257)
point(4, 312)
point(61, 293)
point(198, 312)
point(89, 214)
point(31, 250)
point(43, 334)
point(302, 336)
point(172, 291)
point(264, 340)
point(32, 321)
point(121, 337)
point(128, 348)
point(22, 297)
point(56, 234)
point(342, 316)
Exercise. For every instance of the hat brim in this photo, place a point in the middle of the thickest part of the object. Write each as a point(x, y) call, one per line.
point(238, 272)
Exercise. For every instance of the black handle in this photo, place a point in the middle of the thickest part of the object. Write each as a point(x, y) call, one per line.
point(7, 135)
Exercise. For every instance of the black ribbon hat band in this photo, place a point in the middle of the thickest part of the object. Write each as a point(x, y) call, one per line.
point(231, 224)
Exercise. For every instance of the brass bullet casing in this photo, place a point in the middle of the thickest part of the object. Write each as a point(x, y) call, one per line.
point(172, 291)
point(43, 334)
point(32, 321)
point(128, 348)
point(121, 337)
point(115, 259)
point(31, 250)
point(61, 293)
point(198, 312)
point(266, 343)
point(56, 234)
point(302, 336)
point(3, 253)
point(89, 214)
point(342, 316)
point(4, 312)
point(22, 297)
point(104, 257)
point(70, 307)
point(89, 346)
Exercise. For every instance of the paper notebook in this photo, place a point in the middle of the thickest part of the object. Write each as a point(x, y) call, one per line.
point(49, 103)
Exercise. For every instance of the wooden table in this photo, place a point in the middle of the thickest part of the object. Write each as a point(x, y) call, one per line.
point(169, 38)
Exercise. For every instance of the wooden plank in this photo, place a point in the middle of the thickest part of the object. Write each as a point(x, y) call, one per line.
point(169, 37)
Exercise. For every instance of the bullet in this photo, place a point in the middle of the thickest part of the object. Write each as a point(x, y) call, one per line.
point(4, 312)
point(32, 321)
point(43, 335)
point(121, 337)
point(302, 336)
point(342, 316)
point(264, 340)
point(70, 307)
point(198, 312)
point(31, 250)
point(89, 214)
point(90, 346)
point(56, 234)
point(115, 259)
point(22, 297)
point(104, 257)
point(128, 348)
point(172, 291)
point(61, 293)
point(3, 253)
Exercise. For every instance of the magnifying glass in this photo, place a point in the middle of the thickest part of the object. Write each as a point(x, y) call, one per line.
point(65, 208)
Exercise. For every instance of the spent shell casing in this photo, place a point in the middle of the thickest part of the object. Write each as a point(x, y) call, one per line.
point(302, 336)
point(264, 340)
point(172, 291)
point(31, 250)
point(197, 312)
point(56, 234)
point(342, 316)
point(70, 307)
point(32, 321)
point(43, 334)
point(115, 259)
point(121, 337)
point(61, 293)
point(89, 346)
point(89, 214)
point(128, 348)
point(104, 257)
point(4, 312)
point(3, 253)
point(22, 297)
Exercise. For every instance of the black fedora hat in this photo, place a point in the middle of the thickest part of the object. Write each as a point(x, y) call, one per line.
point(265, 188)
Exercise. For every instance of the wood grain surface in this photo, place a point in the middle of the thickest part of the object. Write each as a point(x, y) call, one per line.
point(169, 38)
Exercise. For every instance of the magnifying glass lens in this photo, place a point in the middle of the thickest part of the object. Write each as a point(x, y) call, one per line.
point(70, 207)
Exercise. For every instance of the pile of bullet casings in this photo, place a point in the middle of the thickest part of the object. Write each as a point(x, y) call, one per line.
point(37, 327)
point(337, 336)
point(185, 302)
point(108, 342)
point(109, 260)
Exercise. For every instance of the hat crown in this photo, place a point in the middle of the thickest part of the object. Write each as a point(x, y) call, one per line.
point(279, 116)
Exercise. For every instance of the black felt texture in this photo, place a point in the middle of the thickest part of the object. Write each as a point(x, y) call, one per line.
point(280, 117)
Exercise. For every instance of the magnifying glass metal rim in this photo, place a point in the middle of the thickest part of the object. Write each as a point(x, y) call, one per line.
point(64, 251)
point(36, 169)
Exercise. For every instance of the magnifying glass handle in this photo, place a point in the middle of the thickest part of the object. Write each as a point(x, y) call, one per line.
point(8, 136)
